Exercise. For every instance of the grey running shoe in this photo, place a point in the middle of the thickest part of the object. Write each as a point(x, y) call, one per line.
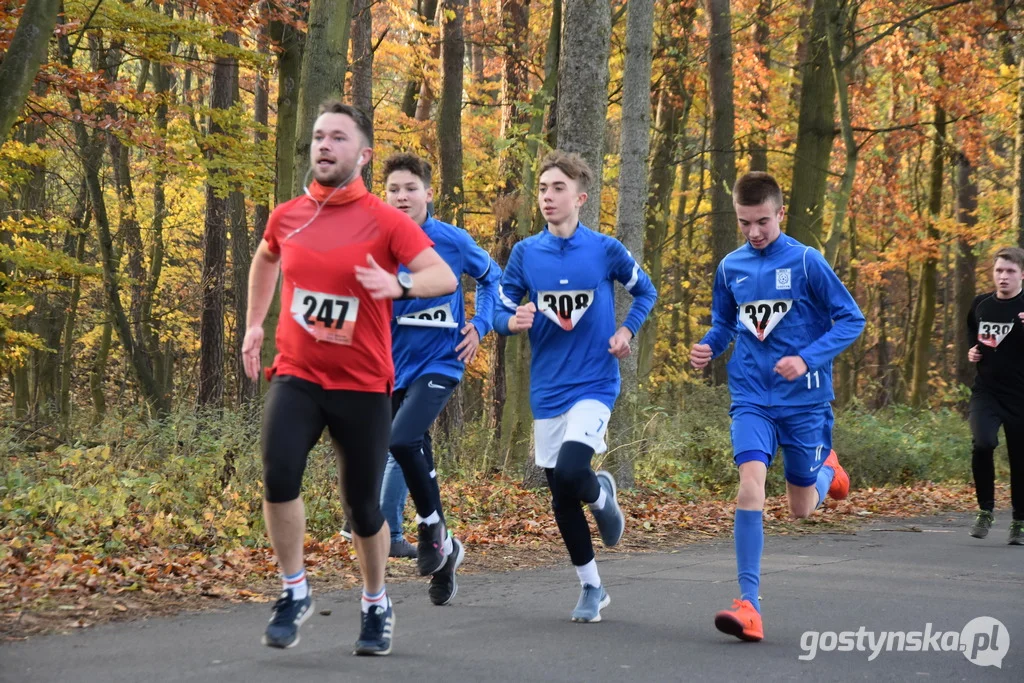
point(982, 524)
point(592, 601)
point(443, 585)
point(402, 549)
point(610, 520)
point(346, 530)
point(1016, 532)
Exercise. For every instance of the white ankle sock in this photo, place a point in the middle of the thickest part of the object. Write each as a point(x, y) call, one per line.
point(588, 574)
point(432, 518)
point(297, 584)
point(598, 504)
point(380, 599)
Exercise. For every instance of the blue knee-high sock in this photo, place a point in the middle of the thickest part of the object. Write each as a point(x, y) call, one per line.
point(825, 476)
point(749, 536)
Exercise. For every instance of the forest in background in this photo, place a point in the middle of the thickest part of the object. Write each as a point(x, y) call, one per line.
point(145, 142)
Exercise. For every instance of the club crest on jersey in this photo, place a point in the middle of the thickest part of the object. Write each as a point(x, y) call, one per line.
point(761, 317)
point(565, 307)
point(992, 334)
point(783, 278)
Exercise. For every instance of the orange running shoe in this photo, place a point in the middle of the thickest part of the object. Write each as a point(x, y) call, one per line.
point(742, 621)
point(840, 487)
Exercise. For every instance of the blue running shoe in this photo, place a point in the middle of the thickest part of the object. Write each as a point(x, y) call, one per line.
point(610, 520)
point(592, 601)
point(375, 634)
point(288, 616)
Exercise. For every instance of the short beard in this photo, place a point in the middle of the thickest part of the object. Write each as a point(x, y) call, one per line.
point(338, 176)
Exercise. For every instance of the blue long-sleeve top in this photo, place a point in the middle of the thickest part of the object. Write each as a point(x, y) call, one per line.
point(783, 300)
point(418, 351)
point(571, 281)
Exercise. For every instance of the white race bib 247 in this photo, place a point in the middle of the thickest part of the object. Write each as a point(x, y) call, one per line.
point(328, 317)
point(566, 307)
point(761, 317)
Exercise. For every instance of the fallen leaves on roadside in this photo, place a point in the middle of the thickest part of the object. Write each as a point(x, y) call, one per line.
point(50, 587)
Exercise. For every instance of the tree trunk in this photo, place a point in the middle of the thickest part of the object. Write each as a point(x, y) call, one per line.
point(815, 130)
point(583, 91)
point(1018, 158)
point(24, 55)
point(429, 14)
point(289, 70)
point(98, 375)
point(324, 61)
point(663, 177)
point(635, 146)
point(476, 48)
point(762, 121)
point(803, 40)
point(922, 351)
point(451, 201)
point(211, 322)
point(966, 265)
point(67, 346)
point(723, 155)
point(512, 164)
point(842, 197)
point(362, 69)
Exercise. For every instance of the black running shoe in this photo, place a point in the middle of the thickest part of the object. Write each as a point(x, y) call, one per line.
point(375, 634)
point(982, 524)
point(443, 585)
point(288, 616)
point(430, 551)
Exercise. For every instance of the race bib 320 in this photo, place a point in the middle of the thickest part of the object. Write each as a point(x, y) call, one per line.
point(761, 317)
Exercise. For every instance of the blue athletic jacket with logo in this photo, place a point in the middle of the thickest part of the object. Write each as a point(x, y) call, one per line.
point(571, 281)
point(417, 350)
point(783, 300)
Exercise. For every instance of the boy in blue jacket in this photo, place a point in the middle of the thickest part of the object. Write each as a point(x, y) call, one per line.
point(790, 316)
point(567, 274)
point(431, 342)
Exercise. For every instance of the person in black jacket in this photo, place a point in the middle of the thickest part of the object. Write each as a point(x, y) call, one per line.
point(995, 329)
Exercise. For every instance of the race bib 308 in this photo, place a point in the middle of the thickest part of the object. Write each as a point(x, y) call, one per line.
point(328, 317)
point(566, 307)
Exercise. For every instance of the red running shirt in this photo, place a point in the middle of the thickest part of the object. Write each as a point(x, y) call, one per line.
point(330, 331)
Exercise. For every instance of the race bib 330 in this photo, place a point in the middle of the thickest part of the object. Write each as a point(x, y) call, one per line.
point(992, 334)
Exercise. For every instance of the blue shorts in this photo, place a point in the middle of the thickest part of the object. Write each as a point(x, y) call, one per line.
point(804, 432)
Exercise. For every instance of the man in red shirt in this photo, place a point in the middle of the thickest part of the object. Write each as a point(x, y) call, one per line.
point(338, 249)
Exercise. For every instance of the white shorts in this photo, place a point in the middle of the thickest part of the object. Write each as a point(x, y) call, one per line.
point(586, 422)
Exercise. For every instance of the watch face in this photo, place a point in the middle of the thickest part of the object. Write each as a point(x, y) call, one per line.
point(405, 280)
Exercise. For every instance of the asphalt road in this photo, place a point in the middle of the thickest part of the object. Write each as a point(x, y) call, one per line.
point(823, 596)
